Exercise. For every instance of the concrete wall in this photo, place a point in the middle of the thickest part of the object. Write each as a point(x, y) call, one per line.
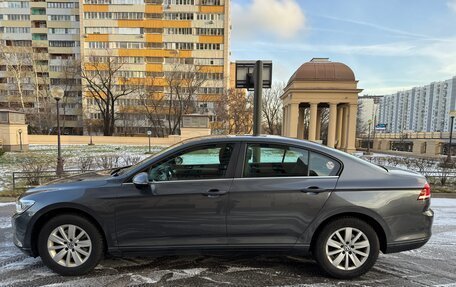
point(9, 136)
point(102, 140)
point(421, 147)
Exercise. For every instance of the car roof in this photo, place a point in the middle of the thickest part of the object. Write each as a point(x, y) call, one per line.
point(252, 138)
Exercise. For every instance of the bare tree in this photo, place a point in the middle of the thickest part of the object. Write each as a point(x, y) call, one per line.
point(361, 127)
point(183, 83)
point(272, 109)
point(235, 110)
point(154, 102)
point(29, 86)
point(105, 84)
point(18, 62)
point(70, 83)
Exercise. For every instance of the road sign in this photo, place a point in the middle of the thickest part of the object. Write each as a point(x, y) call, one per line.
point(381, 127)
point(245, 74)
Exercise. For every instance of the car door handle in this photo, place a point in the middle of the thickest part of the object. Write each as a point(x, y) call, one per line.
point(214, 192)
point(313, 190)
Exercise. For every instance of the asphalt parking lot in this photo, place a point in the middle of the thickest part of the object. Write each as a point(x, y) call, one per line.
point(432, 265)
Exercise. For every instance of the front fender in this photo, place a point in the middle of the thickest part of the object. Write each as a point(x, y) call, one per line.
point(107, 226)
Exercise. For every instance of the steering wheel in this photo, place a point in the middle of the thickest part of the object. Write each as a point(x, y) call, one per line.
point(163, 172)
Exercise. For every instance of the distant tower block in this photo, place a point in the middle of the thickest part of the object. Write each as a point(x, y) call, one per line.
point(317, 85)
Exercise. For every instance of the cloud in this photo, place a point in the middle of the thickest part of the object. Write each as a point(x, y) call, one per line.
point(387, 49)
point(283, 19)
point(378, 27)
point(452, 5)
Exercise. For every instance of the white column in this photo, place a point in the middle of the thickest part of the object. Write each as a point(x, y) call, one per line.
point(313, 121)
point(339, 127)
point(294, 111)
point(343, 141)
point(301, 124)
point(318, 131)
point(332, 125)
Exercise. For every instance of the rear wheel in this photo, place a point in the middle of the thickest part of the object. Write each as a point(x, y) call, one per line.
point(70, 245)
point(346, 248)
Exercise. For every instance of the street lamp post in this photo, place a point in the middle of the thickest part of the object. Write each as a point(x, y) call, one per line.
point(149, 134)
point(369, 137)
point(20, 138)
point(90, 134)
point(451, 139)
point(58, 93)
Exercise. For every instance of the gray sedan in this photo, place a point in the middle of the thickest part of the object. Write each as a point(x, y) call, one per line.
point(232, 194)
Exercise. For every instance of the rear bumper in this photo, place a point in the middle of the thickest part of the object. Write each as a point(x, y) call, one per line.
point(417, 239)
point(407, 245)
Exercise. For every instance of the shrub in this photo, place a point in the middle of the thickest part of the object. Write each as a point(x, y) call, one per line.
point(35, 165)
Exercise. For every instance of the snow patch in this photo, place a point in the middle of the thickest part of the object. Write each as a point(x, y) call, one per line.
point(5, 222)
point(443, 202)
point(186, 273)
point(6, 203)
point(155, 277)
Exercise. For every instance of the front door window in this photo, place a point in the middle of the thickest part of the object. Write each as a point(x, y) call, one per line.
point(207, 162)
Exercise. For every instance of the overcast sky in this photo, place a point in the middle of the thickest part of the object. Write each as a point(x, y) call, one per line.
point(390, 44)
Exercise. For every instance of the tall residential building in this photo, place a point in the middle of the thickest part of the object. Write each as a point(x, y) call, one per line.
point(40, 48)
point(368, 110)
point(153, 39)
point(420, 109)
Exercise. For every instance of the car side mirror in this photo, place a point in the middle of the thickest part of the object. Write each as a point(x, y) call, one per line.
point(141, 179)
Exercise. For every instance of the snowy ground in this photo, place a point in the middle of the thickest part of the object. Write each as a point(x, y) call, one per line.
point(432, 265)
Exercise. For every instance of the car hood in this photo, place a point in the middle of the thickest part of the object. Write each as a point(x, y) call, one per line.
point(90, 178)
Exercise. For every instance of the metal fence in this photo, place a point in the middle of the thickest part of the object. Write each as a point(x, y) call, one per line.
point(29, 179)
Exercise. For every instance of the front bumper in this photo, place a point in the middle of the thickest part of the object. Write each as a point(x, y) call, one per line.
point(21, 237)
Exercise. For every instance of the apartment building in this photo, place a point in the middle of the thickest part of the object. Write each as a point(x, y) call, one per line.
point(40, 48)
point(420, 109)
point(153, 39)
point(368, 111)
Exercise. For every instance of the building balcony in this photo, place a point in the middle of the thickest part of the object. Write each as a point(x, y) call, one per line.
point(41, 56)
point(40, 43)
point(42, 30)
point(38, 17)
point(38, 4)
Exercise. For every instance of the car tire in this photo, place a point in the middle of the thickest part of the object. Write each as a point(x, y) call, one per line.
point(342, 260)
point(70, 245)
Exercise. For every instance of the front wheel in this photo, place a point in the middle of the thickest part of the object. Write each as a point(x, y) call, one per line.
point(70, 245)
point(346, 248)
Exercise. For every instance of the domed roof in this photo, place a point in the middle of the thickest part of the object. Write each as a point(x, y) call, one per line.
point(321, 69)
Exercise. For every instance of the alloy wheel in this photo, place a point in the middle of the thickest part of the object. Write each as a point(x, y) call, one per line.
point(69, 245)
point(347, 248)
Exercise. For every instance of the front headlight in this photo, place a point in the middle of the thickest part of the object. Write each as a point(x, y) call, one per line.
point(23, 204)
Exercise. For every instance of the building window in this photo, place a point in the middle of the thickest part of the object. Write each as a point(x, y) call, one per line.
point(178, 16)
point(63, 5)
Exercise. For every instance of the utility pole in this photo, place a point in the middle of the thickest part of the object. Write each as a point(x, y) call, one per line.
point(58, 94)
point(257, 100)
point(451, 139)
point(369, 137)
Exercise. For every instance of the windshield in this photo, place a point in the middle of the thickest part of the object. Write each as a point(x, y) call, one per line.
point(130, 168)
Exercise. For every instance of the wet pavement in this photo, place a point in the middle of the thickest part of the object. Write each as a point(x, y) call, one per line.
point(432, 265)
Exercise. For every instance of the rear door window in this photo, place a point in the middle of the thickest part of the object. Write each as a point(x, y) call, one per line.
point(266, 160)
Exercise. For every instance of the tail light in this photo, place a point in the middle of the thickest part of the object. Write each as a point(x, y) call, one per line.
point(425, 192)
